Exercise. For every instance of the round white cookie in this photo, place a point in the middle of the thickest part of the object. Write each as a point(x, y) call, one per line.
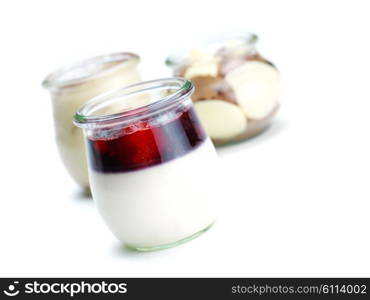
point(221, 119)
point(256, 86)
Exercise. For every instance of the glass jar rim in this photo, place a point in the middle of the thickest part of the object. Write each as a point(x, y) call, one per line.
point(212, 40)
point(80, 72)
point(179, 88)
point(223, 37)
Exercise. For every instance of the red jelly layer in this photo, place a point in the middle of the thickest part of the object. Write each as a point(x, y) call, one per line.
point(148, 145)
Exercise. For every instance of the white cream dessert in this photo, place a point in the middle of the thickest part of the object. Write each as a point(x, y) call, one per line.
point(153, 176)
point(157, 205)
point(71, 87)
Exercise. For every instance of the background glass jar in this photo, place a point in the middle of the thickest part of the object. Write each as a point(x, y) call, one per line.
point(151, 164)
point(236, 89)
point(72, 86)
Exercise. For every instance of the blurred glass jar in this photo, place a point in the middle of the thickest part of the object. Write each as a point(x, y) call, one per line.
point(71, 87)
point(236, 89)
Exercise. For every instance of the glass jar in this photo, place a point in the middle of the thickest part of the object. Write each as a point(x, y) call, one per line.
point(72, 86)
point(236, 89)
point(151, 164)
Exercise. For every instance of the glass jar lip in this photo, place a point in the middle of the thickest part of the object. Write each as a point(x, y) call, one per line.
point(75, 74)
point(83, 117)
point(212, 40)
point(248, 37)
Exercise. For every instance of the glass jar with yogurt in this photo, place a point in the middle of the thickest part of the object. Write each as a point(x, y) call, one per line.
point(236, 89)
point(152, 166)
point(72, 86)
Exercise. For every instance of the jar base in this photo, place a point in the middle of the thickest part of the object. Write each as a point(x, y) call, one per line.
point(240, 138)
point(170, 245)
point(86, 191)
point(256, 127)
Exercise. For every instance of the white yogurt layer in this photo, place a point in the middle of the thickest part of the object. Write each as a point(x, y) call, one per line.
point(160, 204)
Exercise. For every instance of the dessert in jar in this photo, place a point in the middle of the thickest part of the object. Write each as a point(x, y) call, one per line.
point(72, 86)
point(236, 89)
point(151, 164)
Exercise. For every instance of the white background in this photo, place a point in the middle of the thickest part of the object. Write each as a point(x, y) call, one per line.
point(298, 202)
